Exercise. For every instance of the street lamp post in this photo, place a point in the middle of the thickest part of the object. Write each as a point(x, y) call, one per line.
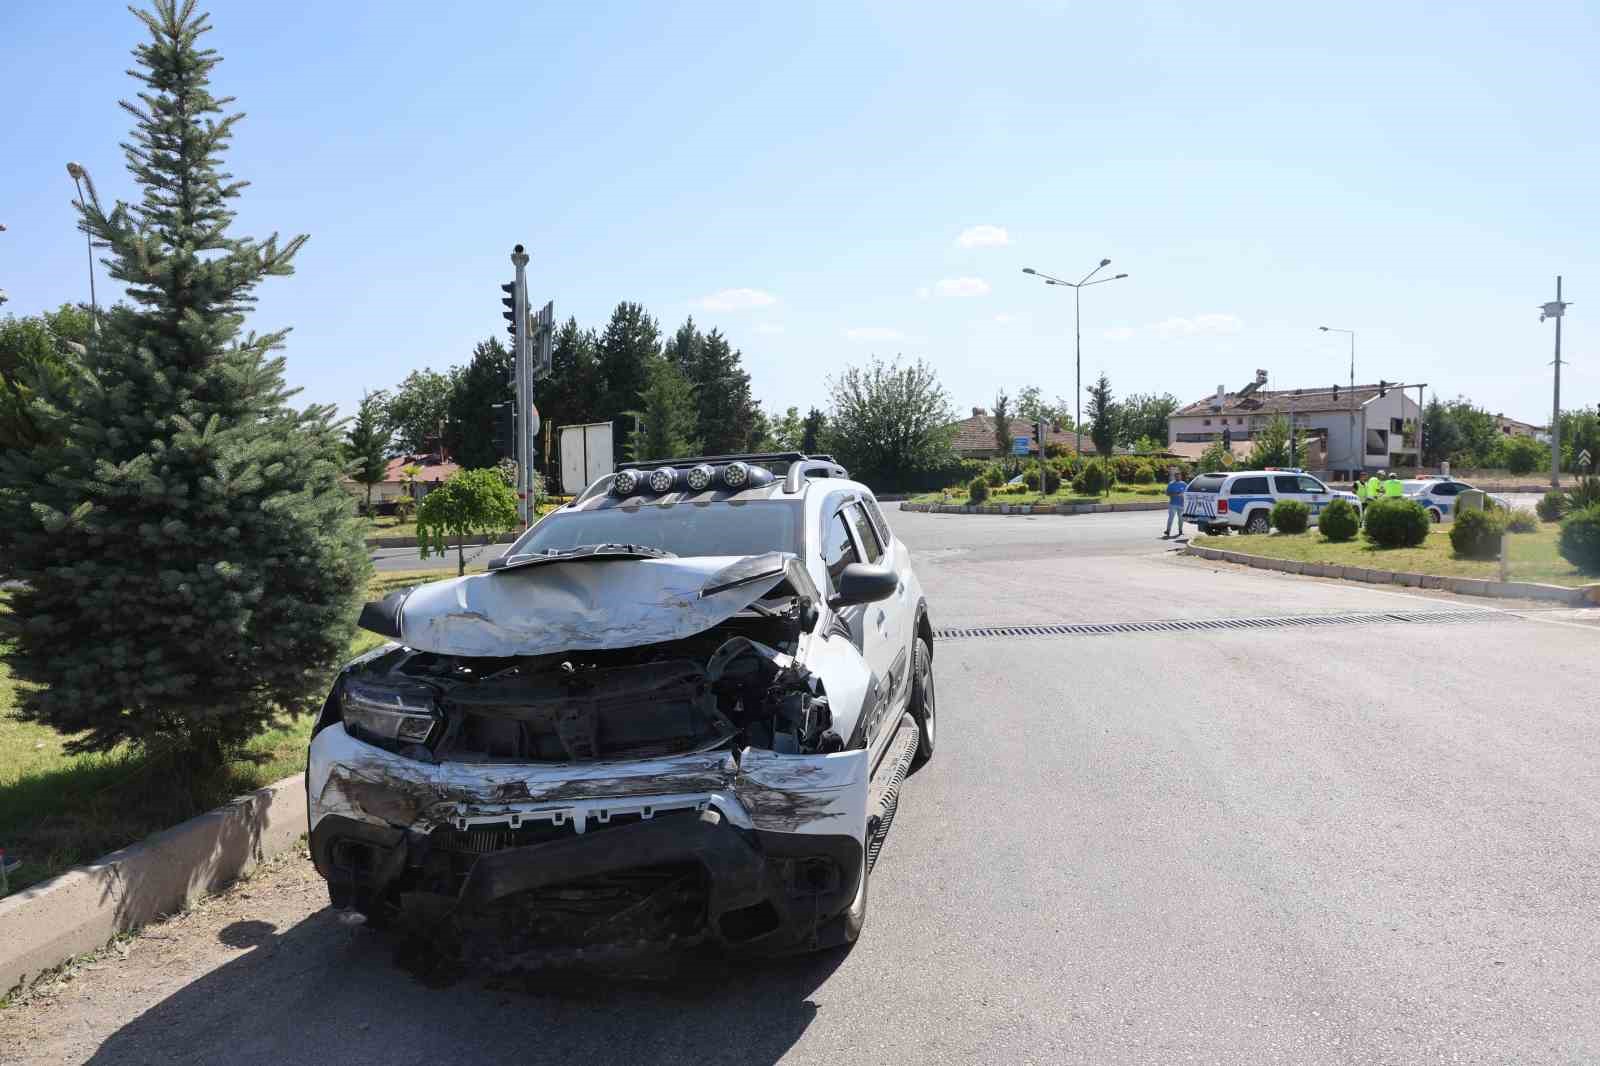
point(80, 178)
point(1356, 451)
point(1077, 333)
point(1556, 310)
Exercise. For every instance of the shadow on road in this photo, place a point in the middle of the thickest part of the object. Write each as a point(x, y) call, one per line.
point(328, 990)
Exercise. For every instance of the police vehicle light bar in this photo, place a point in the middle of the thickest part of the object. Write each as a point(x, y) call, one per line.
point(699, 478)
point(662, 479)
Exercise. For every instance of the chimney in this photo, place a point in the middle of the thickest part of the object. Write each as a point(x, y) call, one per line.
point(1221, 399)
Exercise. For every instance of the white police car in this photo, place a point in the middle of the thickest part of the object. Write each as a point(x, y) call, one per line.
point(1438, 496)
point(1243, 500)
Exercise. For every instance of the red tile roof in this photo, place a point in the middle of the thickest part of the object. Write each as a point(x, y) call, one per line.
point(433, 468)
point(1280, 401)
point(975, 438)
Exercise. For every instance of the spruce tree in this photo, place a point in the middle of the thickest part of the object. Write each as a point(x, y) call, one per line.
point(192, 565)
point(666, 421)
point(474, 391)
point(724, 409)
point(368, 443)
point(628, 349)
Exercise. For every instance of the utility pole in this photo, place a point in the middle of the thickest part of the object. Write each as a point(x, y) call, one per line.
point(1555, 310)
point(519, 259)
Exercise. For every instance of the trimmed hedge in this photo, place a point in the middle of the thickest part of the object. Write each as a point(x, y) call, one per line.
point(1553, 506)
point(1339, 521)
point(1396, 523)
point(1580, 539)
point(1476, 534)
point(978, 489)
point(1091, 482)
point(1522, 520)
point(1290, 516)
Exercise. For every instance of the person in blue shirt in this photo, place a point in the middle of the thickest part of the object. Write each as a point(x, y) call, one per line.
point(1175, 490)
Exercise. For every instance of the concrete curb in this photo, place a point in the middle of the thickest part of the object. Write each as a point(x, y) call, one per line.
point(1031, 509)
point(82, 909)
point(1582, 596)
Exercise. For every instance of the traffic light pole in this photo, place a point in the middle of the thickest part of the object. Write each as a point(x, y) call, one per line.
point(524, 379)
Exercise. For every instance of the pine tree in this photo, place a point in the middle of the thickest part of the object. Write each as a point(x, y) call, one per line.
point(571, 395)
point(191, 563)
point(628, 348)
point(725, 411)
point(474, 390)
point(812, 429)
point(368, 442)
point(1102, 412)
point(666, 419)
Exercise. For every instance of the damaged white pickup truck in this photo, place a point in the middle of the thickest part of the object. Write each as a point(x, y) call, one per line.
point(648, 726)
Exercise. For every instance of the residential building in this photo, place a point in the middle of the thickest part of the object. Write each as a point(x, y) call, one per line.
point(1366, 428)
point(974, 437)
point(435, 471)
point(1510, 427)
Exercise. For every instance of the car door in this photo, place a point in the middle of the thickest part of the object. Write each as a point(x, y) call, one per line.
point(887, 619)
point(859, 622)
point(1288, 487)
point(1442, 498)
point(1316, 495)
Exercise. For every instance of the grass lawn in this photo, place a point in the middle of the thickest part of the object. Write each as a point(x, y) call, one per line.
point(1120, 494)
point(59, 810)
point(1533, 556)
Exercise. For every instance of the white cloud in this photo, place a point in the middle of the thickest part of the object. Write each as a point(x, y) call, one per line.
point(1173, 328)
point(1004, 318)
point(737, 300)
point(924, 292)
point(962, 287)
point(983, 237)
point(769, 328)
point(874, 333)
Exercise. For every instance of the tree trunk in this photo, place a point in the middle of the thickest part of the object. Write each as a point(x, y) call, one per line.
point(461, 558)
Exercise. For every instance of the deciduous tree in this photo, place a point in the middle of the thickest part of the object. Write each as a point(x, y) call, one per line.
point(889, 423)
point(419, 409)
point(468, 503)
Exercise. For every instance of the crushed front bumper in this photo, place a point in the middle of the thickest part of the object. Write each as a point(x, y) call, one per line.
point(766, 849)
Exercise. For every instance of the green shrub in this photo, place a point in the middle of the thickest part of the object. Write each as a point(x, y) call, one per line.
point(1339, 521)
point(1031, 480)
point(1091, 482)
point(1476, 534)
point(1396, 523)
point(1145, 474)
point(978, 489)
point(1290, 516)
point(1580, 539)
point(1052, 479)
point(994, 476)
point(1522, 520)
point(1552, 506)
point(1523, 455)
point(1586, 493)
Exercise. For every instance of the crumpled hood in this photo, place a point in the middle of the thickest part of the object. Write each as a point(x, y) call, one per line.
point(589, 604)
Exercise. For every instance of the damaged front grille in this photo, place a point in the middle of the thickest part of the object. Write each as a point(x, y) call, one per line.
point(484, 839)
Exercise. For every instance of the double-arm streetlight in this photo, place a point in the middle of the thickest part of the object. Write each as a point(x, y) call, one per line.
point(1077, 334)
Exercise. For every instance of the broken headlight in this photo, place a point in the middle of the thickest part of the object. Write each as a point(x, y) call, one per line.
point(389, 714)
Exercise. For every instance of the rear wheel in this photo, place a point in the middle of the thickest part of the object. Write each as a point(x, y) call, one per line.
point(1258, 522)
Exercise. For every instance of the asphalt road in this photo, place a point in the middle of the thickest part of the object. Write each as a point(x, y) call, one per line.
point(1363, 843)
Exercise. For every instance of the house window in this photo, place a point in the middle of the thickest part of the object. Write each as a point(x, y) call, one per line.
point(1205, 422)
point(1397, 425)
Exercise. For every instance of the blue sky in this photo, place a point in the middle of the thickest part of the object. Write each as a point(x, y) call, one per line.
point(802, 176)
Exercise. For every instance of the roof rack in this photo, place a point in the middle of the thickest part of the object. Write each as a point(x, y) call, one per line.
point(811, 466)
point(694, 460)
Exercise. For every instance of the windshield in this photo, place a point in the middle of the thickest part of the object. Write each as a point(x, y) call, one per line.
point(1207, 483)
point(687, 529)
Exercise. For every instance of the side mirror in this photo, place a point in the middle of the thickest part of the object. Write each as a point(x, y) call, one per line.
point(863, 583)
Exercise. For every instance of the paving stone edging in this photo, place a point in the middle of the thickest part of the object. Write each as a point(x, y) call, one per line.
point(1583, 596)
point(1030, 508)
point(80, 910)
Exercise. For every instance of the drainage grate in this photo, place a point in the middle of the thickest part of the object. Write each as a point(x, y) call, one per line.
point(1199, 624)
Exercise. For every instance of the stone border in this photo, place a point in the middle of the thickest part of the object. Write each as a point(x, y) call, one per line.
point(80, 910)
point(1582, 596)
point(1030, 508)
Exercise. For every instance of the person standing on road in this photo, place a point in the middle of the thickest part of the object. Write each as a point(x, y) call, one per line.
point(1175, 490)
point(1375, 485)
point(1392, 488)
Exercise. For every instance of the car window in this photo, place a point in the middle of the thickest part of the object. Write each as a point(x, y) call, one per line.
point(838, 550)
point(1311, 484)
point(684, 529)
point(866, 536)
point(1289, 483)
point(1248, 486)
point(879, 523)
point(1446, 488)
point(1207, 483)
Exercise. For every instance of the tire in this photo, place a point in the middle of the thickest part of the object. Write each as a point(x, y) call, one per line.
point(924, 706)
point(1257, 523)
point(1436, 516)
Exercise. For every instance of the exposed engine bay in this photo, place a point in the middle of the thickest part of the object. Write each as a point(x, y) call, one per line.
point(736, 684)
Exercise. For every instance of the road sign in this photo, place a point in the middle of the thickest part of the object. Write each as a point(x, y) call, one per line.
point(1584, 459)
point(1019, 445)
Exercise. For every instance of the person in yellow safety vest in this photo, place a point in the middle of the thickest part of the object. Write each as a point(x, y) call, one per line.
point(1373, 489)
point(1393, 488)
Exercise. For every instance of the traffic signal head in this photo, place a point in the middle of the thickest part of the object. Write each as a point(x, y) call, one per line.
point(510, 300)
point(1383, 387)
point(505, 430)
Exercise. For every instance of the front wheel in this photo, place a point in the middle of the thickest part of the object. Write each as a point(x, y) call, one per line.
point(924, 705)
point(1257, 523)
